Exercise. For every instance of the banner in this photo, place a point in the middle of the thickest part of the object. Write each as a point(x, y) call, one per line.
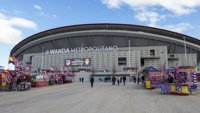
point(78, 62)
point(3, 80)
point(9, 77)
point(18, 65)
point(52, 68)
point(28, 68)
point(11, 59)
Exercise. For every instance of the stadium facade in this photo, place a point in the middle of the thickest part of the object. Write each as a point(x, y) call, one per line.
point(108, 47)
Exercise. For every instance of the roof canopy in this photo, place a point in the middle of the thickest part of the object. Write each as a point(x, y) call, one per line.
point(150, 69)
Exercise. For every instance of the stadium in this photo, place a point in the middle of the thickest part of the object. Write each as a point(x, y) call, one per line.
point(106, 46)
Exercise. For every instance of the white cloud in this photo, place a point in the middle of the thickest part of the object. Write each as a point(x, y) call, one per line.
point(181, 27)
point(21, 22)
point(175, 6)
point(146, 9)
point(40, 9)
point(113, 3)
point(10, 32)
point(37, 7)
point(149, 16)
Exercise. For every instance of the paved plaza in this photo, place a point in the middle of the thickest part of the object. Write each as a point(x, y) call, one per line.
point(103, 98)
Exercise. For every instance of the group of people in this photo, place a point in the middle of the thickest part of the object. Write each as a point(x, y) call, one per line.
point(138, 79)
point(114, 79)
point(81, 79)
point(119, 80)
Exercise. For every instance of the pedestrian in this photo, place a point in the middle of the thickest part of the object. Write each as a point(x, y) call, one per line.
point(113, 80)
point(92, 81)
point(10, 86)
point(118, 80)
point(134, 79)
point(105, 79)
point(124, 80)
point(80, 79)
point(121, 79)
point(142, 78)
point(138, 80)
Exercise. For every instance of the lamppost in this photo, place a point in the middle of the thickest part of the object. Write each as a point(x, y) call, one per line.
point(42, 58)
point(185, 59)
point(129, 43)
point(185, 52)
point(163, 63)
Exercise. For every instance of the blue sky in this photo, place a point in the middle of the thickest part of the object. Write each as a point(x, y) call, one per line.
point(22, 18)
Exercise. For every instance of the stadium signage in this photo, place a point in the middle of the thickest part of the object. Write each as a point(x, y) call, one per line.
point(78, 62)
point(82, 49)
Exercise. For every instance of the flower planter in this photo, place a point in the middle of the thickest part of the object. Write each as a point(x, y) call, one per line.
point(41, 83)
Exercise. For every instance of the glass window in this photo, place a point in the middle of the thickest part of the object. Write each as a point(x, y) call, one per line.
point(171, 56)
point(122, 61)
point(152, 52)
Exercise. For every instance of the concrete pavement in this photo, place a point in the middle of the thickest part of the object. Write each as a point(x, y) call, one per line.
point(103, 98)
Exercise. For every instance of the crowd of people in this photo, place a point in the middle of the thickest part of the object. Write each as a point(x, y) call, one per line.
point(118, 79)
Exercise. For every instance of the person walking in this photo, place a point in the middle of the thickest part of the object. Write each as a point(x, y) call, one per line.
point(118, 80)
point(82, 79)
point(138, 80)
point(142, 78)
point(113, 80)
point(134, 79)
point(124, 80)
point(92, 81)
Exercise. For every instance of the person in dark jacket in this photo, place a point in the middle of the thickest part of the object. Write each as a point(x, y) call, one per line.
point(124, 80)
point(138, 80)
point(142, 78)
point(134, 79)
point(113, 80)
point(118, 80)
point(92, 81)
point(82, 79)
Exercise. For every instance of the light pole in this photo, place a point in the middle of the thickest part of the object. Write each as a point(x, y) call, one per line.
point(81, 55)
point(186, 59)
point(42, 58)
point(129, 53)
point(185, 52)
point(163, 61)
